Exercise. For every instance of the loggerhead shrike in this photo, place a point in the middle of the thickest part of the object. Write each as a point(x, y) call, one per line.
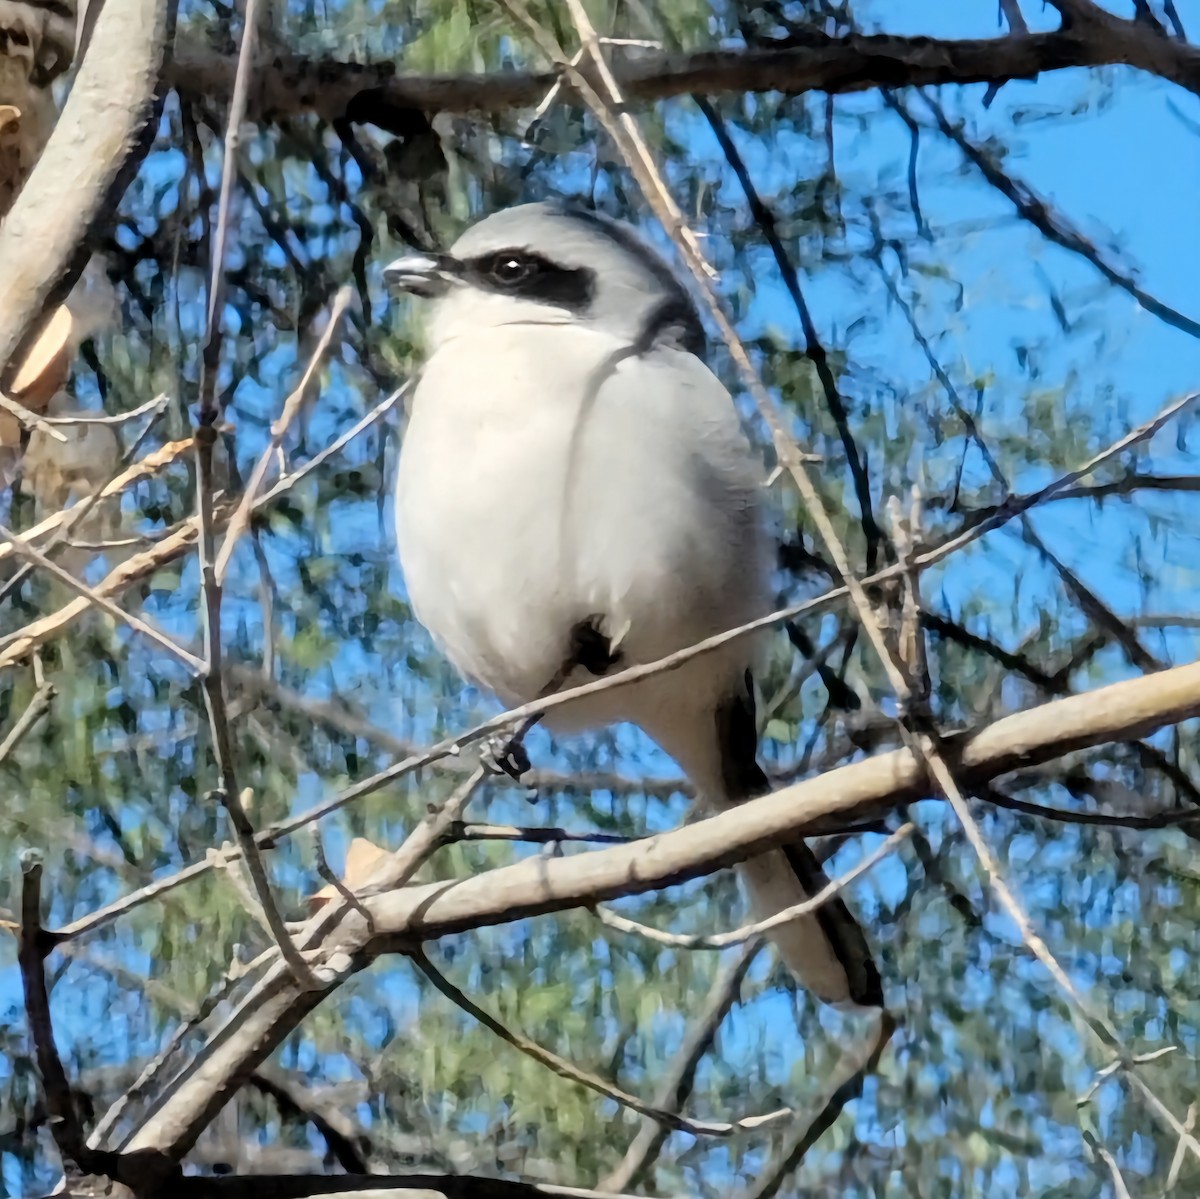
point(575, 495)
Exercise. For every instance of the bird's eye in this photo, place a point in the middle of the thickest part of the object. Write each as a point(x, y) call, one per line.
point(511, 268)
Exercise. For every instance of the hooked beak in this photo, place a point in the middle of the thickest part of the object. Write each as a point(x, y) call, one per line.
point(425, 275)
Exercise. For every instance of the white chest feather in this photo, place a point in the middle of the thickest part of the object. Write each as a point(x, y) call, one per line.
point(543, 482)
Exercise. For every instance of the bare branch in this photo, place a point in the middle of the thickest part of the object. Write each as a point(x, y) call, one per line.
point(810, 61)
point(206, 433)
point(144, 468)
point(1169, 819)
point(155, 406)
point(1120, 1190)
point(95, 596)
point(1181, 1149)
point(210, 359)
point(394, 871)
point(1050, 224)
point(27, 419)
point(764, 218)
point(62, 523)
point(291, 406)
point(19, 644)
point(33, 947)
point(344, 1139)
point(36, 709)
point(536, 886)
point(535, 836)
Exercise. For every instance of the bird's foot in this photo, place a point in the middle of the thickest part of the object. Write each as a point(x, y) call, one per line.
point(503, 754)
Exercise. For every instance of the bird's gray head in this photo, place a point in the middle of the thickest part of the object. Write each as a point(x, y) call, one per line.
point(550, 264)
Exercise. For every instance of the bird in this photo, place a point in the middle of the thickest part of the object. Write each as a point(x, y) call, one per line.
point(575, 495)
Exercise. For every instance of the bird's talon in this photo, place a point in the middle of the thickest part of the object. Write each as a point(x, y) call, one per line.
point(505, 755)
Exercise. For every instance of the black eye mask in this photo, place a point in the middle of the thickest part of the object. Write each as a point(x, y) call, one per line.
point(521, 273)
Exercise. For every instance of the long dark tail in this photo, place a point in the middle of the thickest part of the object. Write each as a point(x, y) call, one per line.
point(826, 950)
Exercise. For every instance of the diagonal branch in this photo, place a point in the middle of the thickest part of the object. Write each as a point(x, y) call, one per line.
point(848, 1076)
point(764, 218)
point(96, 596)
point(1032, 208)
point(291, 407)
point(42, 239)
point(676, 1084)
point(20, 644)
point(414, 914)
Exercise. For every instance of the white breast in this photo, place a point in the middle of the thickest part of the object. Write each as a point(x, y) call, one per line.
point(540, 485)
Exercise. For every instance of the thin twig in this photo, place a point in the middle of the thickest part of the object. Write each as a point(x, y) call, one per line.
point(144, 468)
point(36, 709)
point(1032, 208)
point(291, 406)
point(120, 418)
point(398, 868)
point(206, 434)
point(1120, 1190)
point(29, 420)
point(1156, 820)
point(94, 597)
point(325, 871)
point(764, 218)
point(535, 836)
point(739, 936)
point(216, 286)
point(848, 1075)
point(122, 476)
point(1118, 1063)
point(573, 1073)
